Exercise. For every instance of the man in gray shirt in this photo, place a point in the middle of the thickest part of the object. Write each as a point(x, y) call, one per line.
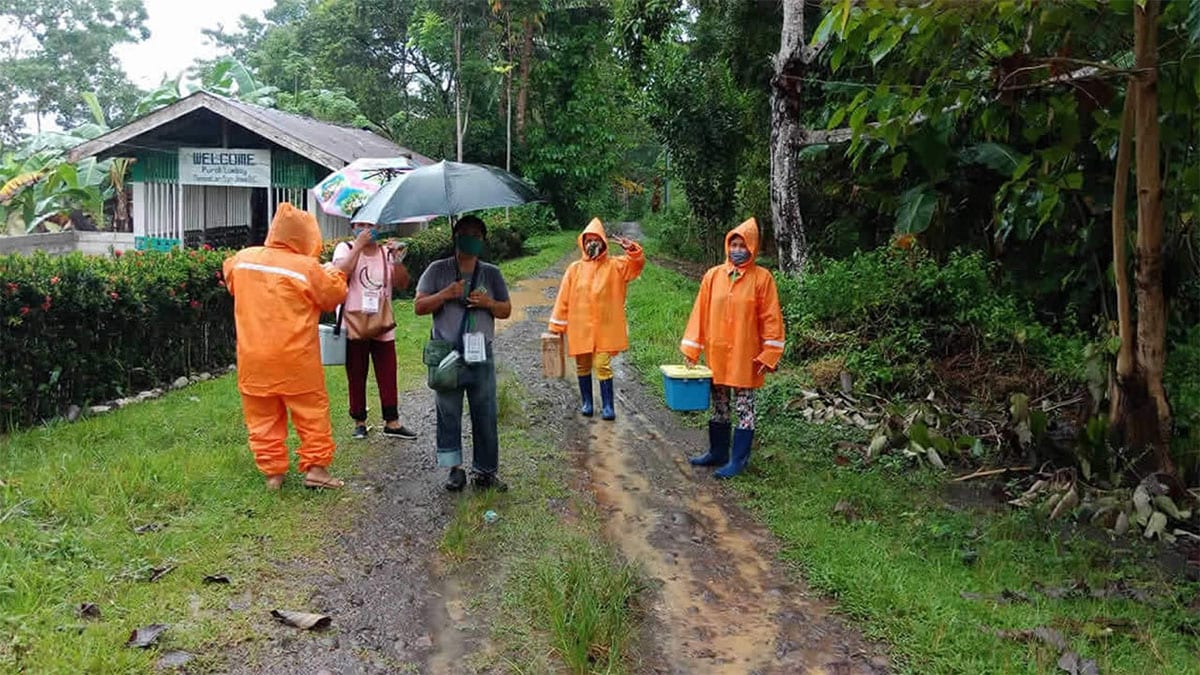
point(448, 289)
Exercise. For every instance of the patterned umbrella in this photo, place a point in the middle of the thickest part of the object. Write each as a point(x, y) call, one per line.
point(344, 191)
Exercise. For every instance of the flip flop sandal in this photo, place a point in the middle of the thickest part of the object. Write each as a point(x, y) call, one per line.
point(326, 484)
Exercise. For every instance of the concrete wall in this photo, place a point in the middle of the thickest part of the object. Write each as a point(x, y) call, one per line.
point(58, 243)
point(102, 243)
point(54, 243)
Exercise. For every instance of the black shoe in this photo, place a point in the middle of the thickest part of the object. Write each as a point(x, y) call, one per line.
point(488, 481)
point(457, 480)
point(360, 431)
point(400, 432)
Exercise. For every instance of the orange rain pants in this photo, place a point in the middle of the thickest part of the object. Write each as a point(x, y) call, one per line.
point(267, 420)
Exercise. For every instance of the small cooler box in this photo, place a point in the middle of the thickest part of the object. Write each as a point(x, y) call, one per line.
point(686, 388)
point(333, 347)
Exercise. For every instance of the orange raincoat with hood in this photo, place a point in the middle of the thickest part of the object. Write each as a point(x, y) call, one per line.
point(736, 320)
point(590, 307)
point(279, 291)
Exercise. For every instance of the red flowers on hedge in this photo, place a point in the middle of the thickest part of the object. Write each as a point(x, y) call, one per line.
point(109, 326)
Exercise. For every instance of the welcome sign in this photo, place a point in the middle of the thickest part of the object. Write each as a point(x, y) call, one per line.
point(224, 166)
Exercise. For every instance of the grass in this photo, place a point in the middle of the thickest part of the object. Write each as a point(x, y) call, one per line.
point(900, 568)
point(71, 496)
point(659, 303)
point(545, 250)
point(564, 598)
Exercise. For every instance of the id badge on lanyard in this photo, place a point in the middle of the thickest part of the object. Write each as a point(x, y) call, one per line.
point(370, 302)
point(474, 347)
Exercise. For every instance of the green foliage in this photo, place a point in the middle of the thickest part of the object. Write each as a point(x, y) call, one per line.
point(81, 329)
point(53, 52)
point(699, 114)
point(527, 221)
point(980, 126)
point(38, 185)
point(889, 313)
point(43, 186)
point(676, 230)
point(226, 76)
point(1182, 380)
point(324, 104)
point(589, 124)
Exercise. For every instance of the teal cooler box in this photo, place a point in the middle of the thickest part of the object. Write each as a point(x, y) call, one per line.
point(686, 388)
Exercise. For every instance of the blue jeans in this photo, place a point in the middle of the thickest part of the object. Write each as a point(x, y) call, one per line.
point(480, 388)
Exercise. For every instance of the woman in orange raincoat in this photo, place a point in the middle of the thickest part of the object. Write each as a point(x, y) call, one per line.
point(279, 291)
point(590, 309)
point(736, 321)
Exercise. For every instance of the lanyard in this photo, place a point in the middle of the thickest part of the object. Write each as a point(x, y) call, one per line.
point(468, 321)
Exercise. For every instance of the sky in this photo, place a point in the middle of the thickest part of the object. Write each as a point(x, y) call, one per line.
point(175, 37)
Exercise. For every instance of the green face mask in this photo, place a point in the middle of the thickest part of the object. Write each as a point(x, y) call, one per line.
point(469, 244)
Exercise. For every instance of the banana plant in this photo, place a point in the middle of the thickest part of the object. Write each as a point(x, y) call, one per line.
point(225, 77)
point(38, 185)
point(34, 196)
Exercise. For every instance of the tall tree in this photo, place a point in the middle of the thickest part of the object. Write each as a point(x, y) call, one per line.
point(1143, 414)
point(54, 51)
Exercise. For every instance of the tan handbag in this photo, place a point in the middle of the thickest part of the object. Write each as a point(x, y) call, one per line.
point(364, 326)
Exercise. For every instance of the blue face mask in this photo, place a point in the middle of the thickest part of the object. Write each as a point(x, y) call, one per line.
point(739, 257)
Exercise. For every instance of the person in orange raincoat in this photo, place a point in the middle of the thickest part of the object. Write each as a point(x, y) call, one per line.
point(590, 309)
point(737, 323)
point(279, 291)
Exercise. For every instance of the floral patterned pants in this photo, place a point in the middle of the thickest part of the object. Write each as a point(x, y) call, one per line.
point(743, 405)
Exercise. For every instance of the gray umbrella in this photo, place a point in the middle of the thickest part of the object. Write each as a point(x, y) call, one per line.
point(444, 189)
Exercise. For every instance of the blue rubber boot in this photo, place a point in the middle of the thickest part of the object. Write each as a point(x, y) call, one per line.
point(739, 454)
point(585, 392)
point(718, 446)
point(607, 411)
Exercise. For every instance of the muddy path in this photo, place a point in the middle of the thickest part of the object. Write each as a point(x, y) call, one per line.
point(717, 600)
point(722, 603)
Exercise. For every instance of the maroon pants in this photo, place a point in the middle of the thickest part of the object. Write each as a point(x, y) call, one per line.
point(358, 355)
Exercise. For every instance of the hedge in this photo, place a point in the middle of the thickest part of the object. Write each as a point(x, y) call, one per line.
point(85, 329)
point(78, 330)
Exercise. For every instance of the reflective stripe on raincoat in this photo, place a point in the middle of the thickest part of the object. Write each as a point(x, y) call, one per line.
point(590, 307)
point(736, 320)
point(279, 292)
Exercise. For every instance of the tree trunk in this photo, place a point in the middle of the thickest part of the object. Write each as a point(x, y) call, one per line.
point(1125, 361)
point(1152, 313)
point(1143, 417)
point(786, 136)
point(523, 87)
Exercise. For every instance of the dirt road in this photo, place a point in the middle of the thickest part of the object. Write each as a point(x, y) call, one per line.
point(719, 602)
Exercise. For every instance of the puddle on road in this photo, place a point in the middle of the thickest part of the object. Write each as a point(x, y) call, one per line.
point(456, 636)
point(724, 607)
point(527, 295)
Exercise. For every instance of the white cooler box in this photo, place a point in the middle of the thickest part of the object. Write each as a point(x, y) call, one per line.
point(333, 347)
